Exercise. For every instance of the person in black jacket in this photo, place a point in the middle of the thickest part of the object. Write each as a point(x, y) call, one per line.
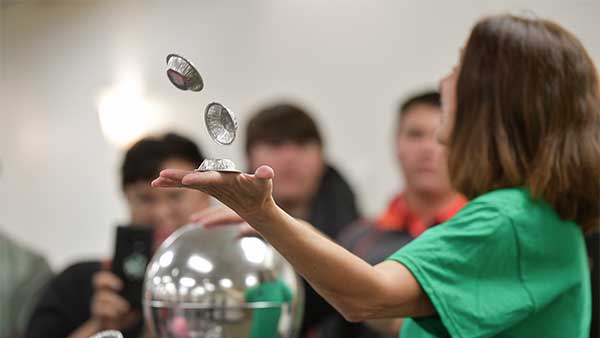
point(84, 298)
point(426, 199)
point(285, 137)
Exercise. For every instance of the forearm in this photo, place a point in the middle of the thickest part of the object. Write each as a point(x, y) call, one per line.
point(358, 290)
point(351, 285)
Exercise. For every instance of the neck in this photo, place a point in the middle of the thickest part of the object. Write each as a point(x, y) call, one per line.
point(427, 203)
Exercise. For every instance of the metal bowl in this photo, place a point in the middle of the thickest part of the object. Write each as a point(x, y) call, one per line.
point(183, 74)
point(220, 123)
point(212, 283)
point(223, 165)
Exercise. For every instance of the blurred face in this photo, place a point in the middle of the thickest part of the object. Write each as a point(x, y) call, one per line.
point(298, 168)
point(421, 156)
point(164, 208)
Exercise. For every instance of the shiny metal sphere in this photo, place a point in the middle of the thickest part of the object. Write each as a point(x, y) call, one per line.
point(212, 283)
point(108, 334)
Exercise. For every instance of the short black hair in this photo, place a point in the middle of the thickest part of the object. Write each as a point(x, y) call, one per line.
point(430, 97)
point(143, 160)
point(279, 123)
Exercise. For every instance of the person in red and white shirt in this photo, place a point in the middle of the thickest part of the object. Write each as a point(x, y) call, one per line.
point(426, 200)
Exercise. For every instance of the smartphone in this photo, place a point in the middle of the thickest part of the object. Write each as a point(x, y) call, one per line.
point(133, 251)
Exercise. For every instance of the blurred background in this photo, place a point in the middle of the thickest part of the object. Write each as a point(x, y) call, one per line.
point(81, 79)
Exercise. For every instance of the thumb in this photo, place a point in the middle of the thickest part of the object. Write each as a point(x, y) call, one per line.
point(264, 173)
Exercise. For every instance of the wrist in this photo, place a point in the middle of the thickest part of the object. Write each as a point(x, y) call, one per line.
point(263, 216)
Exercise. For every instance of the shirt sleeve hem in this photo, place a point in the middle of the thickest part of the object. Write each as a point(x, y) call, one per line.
point(438, 302)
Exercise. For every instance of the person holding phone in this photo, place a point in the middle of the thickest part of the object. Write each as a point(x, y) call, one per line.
point(89, 297)
point(521, 126)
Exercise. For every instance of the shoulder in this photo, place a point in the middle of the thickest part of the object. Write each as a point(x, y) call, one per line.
point(514, 201)
point(527, 213)
point(83, 267)
point(21, 261)
point(511, 204)
point(81, 272)
point(16, 251)
point(506, 210)
point(506, 199)
point(478, 224)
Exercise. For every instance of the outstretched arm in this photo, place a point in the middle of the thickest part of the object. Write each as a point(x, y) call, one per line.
point(356, 289)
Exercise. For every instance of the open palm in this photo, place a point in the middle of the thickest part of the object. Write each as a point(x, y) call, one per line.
point(249, 195)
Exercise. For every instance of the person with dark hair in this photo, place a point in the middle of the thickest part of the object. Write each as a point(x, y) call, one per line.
point(285, 137)
point(427, 199)
point(84, 298)
point(521, 125)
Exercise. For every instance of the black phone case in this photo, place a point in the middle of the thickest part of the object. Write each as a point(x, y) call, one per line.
point(133, 251)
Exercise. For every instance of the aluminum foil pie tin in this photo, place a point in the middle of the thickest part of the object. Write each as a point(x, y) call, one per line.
point(183, 74)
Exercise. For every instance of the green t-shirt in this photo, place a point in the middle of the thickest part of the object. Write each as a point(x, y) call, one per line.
point(504, 266)
point(265, 322)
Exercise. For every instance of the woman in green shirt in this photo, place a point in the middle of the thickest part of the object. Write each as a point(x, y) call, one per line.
point(521, 122)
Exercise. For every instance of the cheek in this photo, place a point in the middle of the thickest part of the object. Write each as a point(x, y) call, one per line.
point(401, 154)
point(313, 164)
point(439, 135)
point(259, 158)
point(442, 133)
point(142, 215)
point(406, 151)
point(440, 157)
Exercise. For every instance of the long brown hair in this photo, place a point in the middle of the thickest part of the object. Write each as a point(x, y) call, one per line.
point(528, 114)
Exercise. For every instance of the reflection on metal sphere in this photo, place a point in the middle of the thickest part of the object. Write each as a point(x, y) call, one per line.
point(108, 334)
point(210, 283)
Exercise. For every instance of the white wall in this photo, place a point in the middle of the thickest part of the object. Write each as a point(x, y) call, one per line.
point(350, 62)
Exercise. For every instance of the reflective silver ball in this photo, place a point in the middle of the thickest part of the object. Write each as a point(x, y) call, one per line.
point(212, 283)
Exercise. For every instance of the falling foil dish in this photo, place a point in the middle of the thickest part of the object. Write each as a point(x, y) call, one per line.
point(183, 74)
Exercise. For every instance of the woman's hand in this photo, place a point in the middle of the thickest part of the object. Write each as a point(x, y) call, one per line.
point(249, 196)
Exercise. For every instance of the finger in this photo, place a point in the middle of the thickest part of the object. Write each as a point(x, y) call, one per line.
point(108, 304)
point(175, 174)
point(164, 182)
point(205, 178)
point(107, 280)
point(127, 320)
